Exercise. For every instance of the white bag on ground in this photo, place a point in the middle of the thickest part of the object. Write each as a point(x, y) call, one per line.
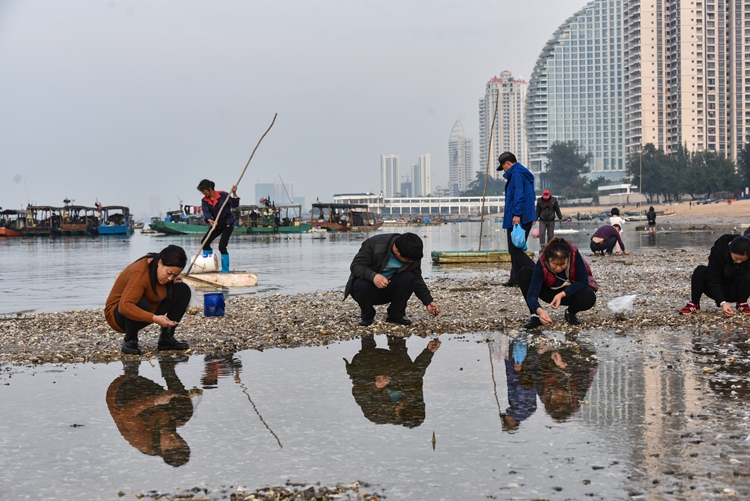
point(194, 303)
point(622, 305)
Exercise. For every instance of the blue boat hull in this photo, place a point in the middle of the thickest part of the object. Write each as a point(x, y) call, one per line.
point(126, 230)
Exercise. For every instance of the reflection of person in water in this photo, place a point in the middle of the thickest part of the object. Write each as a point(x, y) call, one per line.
point(564, 379)
point(147, 415)
point(521, 390)
point(220, 366)
point(387, 384)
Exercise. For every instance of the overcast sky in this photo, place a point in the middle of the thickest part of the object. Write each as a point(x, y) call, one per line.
point(124, 100)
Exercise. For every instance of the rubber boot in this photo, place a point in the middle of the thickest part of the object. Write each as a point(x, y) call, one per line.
point(167, 340)
point(225, 263)
point(130, 345)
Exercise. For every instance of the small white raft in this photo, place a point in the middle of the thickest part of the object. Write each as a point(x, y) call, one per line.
point(567, 232)
point(222, 280)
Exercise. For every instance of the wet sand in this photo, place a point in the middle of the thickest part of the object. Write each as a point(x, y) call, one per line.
point(659, 278)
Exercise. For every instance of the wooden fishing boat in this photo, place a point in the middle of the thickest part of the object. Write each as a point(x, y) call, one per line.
point(116, 220)
point(179, 223)
point(41, 220)
point(467, 257)
point(12, 222)
point(270, 218)
point(77, 220)
point(343, 217)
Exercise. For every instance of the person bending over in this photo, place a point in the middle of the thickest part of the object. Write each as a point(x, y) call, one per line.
point(387, 269)
point(560, 277)
point(605, 238)
point(726, 278)
point(212, 204)
point(148, 291)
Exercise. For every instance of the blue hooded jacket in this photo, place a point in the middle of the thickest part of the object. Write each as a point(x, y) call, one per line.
point(520, 199)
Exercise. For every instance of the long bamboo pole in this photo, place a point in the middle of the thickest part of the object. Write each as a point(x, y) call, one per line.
point(216, 221)
point(487, 169)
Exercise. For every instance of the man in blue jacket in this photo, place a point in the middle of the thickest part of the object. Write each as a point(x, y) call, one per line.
point(520, 208)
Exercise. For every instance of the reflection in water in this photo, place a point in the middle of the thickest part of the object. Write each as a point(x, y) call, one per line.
point(147, 415)
point(387, 385)
point(220, 366)
point(521, 390)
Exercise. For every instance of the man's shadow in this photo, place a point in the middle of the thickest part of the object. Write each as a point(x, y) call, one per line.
point(148, 415)
point(387, 385)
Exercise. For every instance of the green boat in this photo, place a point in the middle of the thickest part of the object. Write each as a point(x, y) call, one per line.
point(270, 218)
point(464, 257)
point(179, 223)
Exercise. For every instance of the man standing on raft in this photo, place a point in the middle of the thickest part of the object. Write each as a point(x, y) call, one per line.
point(213, 201)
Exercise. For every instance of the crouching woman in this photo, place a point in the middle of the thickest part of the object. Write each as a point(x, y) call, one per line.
point(148, 291)
point(726, 278)
point(560, 277)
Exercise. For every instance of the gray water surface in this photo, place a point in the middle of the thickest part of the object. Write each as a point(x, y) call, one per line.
point(265, 418)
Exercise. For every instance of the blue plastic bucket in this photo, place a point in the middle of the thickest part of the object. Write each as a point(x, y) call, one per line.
point(213, 304)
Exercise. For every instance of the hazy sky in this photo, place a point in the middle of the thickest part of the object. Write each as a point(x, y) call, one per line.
point(124, 100)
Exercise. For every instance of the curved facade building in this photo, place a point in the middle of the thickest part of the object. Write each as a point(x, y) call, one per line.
point(575, 92)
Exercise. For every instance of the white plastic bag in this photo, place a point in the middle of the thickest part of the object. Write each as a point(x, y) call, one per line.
point(194, 303)
point(622, 305)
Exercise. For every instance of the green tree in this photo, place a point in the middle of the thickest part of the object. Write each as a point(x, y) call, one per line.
point(565, 169)
point(710, 172)
point(743, 164)
point(476, 188)
point(660, 172)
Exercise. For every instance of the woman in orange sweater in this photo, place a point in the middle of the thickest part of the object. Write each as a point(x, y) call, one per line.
point(148, 291)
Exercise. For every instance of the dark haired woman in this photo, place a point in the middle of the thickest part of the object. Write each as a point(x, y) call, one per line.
point(726, 278)
point(651, 217)
point(150, 291)
point(213, 201)
point(560, 277)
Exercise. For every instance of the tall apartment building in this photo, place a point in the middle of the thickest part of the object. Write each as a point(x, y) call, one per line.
point(421, 177)
point(278, 192)
point(575, 91)
point(390, 175)
point(686, 64)
point(509, 134)
point(460, 160)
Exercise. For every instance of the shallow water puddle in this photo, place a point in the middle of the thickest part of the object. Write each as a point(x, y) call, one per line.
point(470, 417)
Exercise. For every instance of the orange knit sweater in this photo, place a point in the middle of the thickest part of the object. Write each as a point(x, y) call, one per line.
point(131, 285)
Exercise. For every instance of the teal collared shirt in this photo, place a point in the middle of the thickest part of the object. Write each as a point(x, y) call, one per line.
point(392, 267)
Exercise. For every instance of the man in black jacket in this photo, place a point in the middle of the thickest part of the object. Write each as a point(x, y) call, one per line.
point(546, 210)
point(387, 269)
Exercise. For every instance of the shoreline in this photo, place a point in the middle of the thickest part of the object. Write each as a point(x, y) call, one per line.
point(659, 278)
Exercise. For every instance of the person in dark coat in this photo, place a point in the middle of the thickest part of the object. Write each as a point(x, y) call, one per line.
point(560, 278)
point(386, 384)
point(726, 278)
point(387, 269)
point(212, 204)
point(651, 217)
point(546, 210)
point(519, 209)
point(605, 238)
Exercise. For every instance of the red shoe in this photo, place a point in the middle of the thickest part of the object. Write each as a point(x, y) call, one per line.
point(695, 308)
point(743, 308)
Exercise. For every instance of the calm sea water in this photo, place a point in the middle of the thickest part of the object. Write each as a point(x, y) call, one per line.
point(71, 273)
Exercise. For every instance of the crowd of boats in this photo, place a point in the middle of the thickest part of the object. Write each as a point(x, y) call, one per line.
point(68, 220)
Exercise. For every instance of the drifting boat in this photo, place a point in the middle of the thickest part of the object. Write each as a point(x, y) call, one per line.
point(270, 218)
point(138, 225)
point(116, 220)
point(41, 220)
point(343, 217)
point(77, 220)
point(179, 223)
point(12, 222)
point(465, 257)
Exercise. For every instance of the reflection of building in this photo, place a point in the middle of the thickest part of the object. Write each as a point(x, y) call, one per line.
point(421, 177)
point(575, 92)
point(460, 160)
point(508, 134)
point(390, 175)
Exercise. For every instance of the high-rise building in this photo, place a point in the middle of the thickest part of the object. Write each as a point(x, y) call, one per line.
point(421, 177)
point(460, 160)
point(278, 192)
point(575, 91)
point(390, 175)
point(154, 205)
point(684, 81)
point(508, 134)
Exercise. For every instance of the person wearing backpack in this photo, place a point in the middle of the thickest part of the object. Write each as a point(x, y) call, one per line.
point(546, 210)
point(560, 277)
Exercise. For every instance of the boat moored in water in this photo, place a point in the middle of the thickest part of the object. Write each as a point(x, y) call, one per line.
point(116, 220)
point(41, 220)
point(343, 217)
point(12, 222)
point(270, 218)
point(77, 220)
point(178, 222)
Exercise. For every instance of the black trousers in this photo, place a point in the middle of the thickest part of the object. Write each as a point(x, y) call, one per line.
point(608, 245)
point(174, 306)
point(225, 230)
point(518, 257)
point(738, 290)
point(398, 292)
point(581, 301)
